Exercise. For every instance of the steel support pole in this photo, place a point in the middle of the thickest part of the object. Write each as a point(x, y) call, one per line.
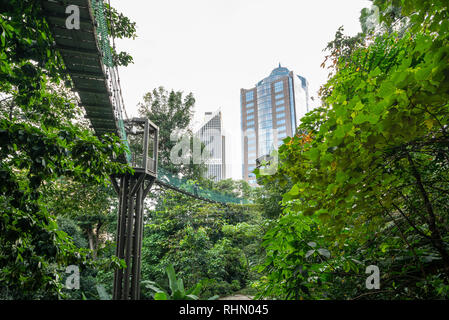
point(135, 292)
point(121, 223)
point(128, 241)
point(132, 192)
point(129, 235)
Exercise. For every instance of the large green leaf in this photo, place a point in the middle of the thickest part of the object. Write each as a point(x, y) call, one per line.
point(161, 296)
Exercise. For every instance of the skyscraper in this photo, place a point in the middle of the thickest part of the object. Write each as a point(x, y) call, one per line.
point(211, 135)
point(269, 113)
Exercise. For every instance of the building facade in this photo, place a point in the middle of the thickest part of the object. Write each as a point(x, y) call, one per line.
point(211, 135)
point(270, 112)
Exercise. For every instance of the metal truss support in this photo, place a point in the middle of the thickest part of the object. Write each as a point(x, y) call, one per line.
point(132, 190)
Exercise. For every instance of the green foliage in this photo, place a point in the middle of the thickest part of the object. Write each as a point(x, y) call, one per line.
point(41, 143)
point(93, 207)
point(269, 198)
point(103, 294)
point(73, 230)
point(369, 169)
point(208, 243)
point(176, 287)
point(172, 112)
point(120, 27)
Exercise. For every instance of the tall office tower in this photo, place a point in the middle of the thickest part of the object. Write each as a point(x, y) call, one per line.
point(270, 112)
point(211, 135)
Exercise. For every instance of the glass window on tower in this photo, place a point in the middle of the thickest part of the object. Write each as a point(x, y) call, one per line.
point(266, 124)
point(249, 96)
point(279, 109)
point(279, 86)
point(279, 102)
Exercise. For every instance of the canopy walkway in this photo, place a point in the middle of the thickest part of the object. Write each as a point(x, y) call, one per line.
point(87, 56)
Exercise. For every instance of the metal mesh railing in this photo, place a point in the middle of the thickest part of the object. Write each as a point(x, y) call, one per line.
point(189, 187)
point(111, 72)
point(102, 30)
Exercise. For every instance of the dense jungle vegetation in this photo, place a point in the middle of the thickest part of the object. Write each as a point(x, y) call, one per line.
point(365, 180)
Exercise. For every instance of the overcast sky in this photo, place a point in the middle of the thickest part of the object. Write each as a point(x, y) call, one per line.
point(213, 48)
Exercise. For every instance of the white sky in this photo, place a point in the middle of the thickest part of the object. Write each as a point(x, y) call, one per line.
point(213, 48)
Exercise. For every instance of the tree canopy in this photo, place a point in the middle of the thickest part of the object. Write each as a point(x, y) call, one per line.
point(369, 167)
point(363, 183)
point(41, 142)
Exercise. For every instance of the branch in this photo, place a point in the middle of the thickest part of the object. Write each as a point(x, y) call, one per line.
point(423, 192)
point(436, 238)
point(411, 223)
point(404, 238)
point(7, 98)
point(434, 116)
point(370, 293)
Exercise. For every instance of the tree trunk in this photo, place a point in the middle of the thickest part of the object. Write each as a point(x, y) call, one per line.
point(92, 243)
point(436, 238)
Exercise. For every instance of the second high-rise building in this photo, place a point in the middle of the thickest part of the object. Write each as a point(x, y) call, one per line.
point(211, 135)
point(269, 113)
